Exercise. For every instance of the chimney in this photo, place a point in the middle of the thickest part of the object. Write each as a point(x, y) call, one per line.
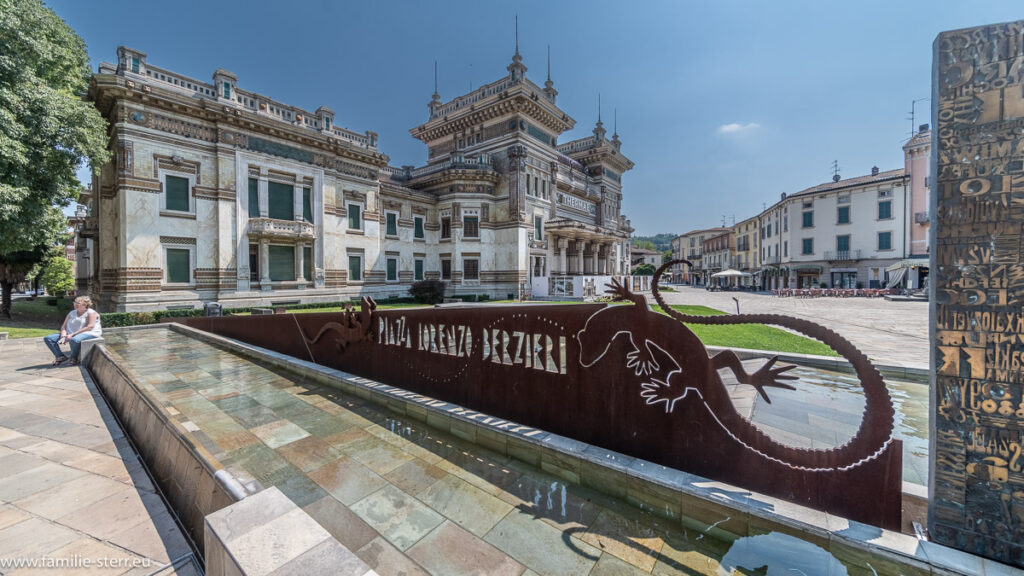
point(874, 170)
point(922, 128)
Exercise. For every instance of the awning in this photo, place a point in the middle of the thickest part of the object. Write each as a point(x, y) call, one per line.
point(730, 273)
point(909, 263)
point(896, 278)
point(808, 268)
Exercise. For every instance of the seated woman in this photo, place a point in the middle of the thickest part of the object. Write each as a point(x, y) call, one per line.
point(82, 323)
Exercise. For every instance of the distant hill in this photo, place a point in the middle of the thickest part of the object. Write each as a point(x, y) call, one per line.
point(659, 242)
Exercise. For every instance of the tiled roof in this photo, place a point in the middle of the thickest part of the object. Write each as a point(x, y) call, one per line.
point(919, 139)
point(852, 182)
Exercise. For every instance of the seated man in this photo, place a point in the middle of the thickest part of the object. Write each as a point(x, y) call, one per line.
point(82, 323)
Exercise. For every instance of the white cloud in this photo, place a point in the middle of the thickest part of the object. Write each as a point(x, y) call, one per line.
point(735, 128)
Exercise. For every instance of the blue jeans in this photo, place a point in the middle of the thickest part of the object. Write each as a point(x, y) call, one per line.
point(75, 342)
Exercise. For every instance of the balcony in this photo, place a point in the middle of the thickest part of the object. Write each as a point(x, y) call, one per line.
point(273, 228)
point(921, 218)
point(842, 255)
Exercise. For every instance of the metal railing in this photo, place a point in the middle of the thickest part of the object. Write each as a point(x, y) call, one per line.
point(842, 255)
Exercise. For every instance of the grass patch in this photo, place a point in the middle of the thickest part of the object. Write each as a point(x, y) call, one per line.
point(753, 336)
point(32, 319)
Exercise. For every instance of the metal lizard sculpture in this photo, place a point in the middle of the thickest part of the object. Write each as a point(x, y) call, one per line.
point(673, 363)
point(354, 327)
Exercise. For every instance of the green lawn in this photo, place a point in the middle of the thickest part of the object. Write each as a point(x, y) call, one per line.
point(32, 319)
point(753, 336)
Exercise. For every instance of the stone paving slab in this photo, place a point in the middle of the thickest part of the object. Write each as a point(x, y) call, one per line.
point(74, 497)
point(892, 333)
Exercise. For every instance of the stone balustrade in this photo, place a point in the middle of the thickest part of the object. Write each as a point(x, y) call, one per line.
point(273, 228)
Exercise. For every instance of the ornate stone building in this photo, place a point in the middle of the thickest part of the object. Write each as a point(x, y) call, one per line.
point(217, 193)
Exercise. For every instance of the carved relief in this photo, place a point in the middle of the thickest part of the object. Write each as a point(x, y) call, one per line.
point(978, 274)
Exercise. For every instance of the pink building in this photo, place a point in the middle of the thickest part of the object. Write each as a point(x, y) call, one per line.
point(916, 154)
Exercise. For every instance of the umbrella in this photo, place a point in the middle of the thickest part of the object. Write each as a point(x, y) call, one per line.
point(730, 273)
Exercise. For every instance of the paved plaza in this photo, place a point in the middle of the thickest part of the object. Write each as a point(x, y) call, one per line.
point(891, 333)
point(74, 496)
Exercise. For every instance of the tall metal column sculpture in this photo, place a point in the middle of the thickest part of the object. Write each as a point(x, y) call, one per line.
point(977, 206)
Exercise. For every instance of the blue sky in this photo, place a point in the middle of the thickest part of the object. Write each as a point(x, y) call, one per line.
point(722, 105)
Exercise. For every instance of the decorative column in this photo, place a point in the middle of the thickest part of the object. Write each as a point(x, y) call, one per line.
point(264, 265)
point(300, 267)
point(581, 247)
point(976, 461)
point(297, 202)
point(593, 259)
point(563, 262)
point(517, 182)
point(264, 194)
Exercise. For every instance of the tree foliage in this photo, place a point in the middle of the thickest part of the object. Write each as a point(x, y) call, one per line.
point(59, 275)
point(47, 131)
point(644, 270)
point(427, 291)
point(644, 244)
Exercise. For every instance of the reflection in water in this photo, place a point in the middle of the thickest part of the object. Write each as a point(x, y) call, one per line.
point(780, 555)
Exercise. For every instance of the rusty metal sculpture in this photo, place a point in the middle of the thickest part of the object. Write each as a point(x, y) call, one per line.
point(621, 377)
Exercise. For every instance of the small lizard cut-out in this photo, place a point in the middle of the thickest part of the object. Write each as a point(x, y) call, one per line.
point(354, 326)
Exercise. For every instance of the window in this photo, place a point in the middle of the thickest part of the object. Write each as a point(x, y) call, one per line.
point(417, 227)
point(135, 65)
point(446, 269)
point(355, 268)
point(885, 193)
point(417, 269)
point(769, 228)
point(178, 265)
point(446, 227)
point(176, 196)
point(282, 263)
point(785, 224)
point(885, 210)
point(391, 228)
point(327, 122)
point(843, 200)
point(808, 219)
point(354, 221)
point(392, 269)
point(307, 206)
point(470, 269)
point(538, 228)
point(470, 227)
point(808, 247)
point(307, 263)
point(254, 198)
point(280, 201)
point(843, 215)
point(843, 243)
point(885, 240)
point(785, 249)
point(254, 263)
point(227, 90)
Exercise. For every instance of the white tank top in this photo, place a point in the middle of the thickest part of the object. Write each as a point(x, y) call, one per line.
point(76, 323)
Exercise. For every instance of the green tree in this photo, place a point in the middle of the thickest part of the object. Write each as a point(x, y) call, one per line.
point(644, 270)
point(59, 275)
point(644, 244)
point(47, 131)
point(666, 255)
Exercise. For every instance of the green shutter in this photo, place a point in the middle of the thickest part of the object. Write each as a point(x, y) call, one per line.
point(177, 265)
point(353, 217)
point(418, 227)
point(280, 201)
point(842, 243)
point(307, 262)
point(254, 198)
point(392, 229)
point(176, 193)
point(884, 210)
point(282, 263)
point(392, 269)
point(418, 275)
point(307, 205)
point(355, 269)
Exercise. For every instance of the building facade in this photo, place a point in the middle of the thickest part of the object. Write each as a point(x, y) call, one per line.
point(841, 234)
point(690, 246)
point(216, 193)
